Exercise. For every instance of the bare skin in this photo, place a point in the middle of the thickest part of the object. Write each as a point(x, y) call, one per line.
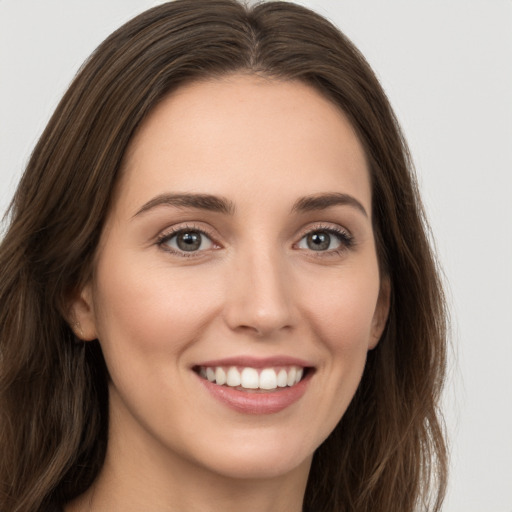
point(278, 262)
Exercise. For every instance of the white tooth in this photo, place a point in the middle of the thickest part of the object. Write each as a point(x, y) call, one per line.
point(233, 377)
point(202, 372)
point(282, 378)
point(300, 372)
point(268, 379)
point(249, 378)
point(220, 376)
point(292, 373)
point(210, 374)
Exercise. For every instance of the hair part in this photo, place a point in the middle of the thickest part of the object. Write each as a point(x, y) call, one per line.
point(388, 451)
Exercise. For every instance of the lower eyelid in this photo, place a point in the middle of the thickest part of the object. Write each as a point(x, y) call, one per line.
point(343, 236)
point(163, 239)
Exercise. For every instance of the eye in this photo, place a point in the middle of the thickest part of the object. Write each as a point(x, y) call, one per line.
point(186, 240)
point(323, 240)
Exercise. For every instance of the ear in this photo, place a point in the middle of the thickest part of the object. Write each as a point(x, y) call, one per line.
point(81, 317)
point(380, 317)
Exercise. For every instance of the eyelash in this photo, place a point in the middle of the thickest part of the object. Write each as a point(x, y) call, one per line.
point(168, 235)
point(343, 236)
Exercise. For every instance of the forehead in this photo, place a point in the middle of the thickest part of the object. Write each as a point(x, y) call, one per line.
point(246, 133)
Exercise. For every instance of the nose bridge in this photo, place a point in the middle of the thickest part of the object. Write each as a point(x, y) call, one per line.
point(259, 295)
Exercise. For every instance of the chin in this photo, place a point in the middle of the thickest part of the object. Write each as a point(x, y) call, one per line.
point(261, 464)
point(258, 453)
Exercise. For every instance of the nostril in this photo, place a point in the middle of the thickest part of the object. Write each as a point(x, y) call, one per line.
point(260, 304)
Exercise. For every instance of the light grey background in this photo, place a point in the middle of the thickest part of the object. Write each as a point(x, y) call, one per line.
point(447, 68)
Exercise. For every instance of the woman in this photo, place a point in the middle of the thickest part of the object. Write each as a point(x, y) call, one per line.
point(217, 291)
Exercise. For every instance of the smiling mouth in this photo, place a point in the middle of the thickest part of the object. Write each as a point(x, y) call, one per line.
point(253, 379)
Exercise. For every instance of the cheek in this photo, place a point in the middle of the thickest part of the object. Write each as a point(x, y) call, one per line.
point(342, 317)
point(152, 310)
point(343, 312)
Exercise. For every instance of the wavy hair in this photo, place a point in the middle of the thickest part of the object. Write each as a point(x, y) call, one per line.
point(388, 453)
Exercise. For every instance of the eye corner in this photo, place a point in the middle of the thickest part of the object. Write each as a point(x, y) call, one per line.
point(196, 241)
point(319, 240)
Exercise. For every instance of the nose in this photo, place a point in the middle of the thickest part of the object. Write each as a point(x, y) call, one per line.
point(259, 295)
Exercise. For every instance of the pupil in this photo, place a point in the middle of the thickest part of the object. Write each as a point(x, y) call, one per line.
point(190, 241)
point(319, 241)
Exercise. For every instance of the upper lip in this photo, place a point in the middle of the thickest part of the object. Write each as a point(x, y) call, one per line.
point(256, 362)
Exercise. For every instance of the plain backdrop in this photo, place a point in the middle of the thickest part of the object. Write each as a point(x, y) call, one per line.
point(447, 68)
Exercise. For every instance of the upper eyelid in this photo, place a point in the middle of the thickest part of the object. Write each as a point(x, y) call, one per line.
point(174, 230)
point(343, 234)
point(214, 236)
point(325, 226)
point(170, 233)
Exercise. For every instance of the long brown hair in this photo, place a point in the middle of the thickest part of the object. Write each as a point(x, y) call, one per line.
point(387, 454)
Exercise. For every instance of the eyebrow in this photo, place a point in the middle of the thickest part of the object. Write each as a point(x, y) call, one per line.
point(199, 201)
point(323, 201)
point(222, 205)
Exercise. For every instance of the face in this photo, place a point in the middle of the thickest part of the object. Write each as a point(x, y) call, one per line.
point(236, 291)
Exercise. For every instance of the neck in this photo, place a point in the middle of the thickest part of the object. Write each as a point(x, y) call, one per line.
point(191, 489)
point(141, 475)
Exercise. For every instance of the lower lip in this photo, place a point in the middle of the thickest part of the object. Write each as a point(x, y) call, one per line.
point(257, 402)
